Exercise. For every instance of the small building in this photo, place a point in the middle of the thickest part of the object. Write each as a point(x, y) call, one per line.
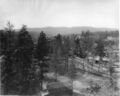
point(97, 59)
point(104, 59)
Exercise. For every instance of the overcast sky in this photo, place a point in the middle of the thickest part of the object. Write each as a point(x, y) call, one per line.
point(68, 13)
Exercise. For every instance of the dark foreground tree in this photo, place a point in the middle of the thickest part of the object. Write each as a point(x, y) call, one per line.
point(42, 46)
point(3, 42)
point(42, 50)
point(7, 71)
point(23, 60)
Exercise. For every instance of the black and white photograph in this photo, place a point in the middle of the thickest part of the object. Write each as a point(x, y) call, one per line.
point(59, 48)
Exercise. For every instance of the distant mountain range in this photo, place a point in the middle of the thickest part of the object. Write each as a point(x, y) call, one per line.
point(52, 31)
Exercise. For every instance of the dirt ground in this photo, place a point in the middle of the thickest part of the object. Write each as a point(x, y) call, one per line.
point(83, 81)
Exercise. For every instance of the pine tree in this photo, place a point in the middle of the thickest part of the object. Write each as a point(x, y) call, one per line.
point(58, 41)
point(23, 57)
point(42, 47)
point(7, 64)
point(66, 50)
point(42, 50)
point(57, 52)
point(79, 49)
point(86, 41)
point(100, 48)
point(3, 41)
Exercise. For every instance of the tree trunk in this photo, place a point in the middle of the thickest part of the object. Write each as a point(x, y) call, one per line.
point(72, 87)
point(55, 72)
point(66, 64)
point(72, 76)
point(83, 65)
point(40, 88)
point(41, 85)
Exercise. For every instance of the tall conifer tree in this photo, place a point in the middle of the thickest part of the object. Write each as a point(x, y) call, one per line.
point(23, 57)
point(7, 64)
point(42, 50)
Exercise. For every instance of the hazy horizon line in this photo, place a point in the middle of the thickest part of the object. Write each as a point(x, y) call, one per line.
point(64, 27)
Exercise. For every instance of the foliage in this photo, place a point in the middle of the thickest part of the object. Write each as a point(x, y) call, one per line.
point(84, 44)
point(7, 65)
point(23, 59)
point(94, 88)
point(79, 49)
point(42, 46)
point(58, 43)
point(17, 61)
point(87, 40)
point(100, 48)
point(3, 41)
point(42, 50)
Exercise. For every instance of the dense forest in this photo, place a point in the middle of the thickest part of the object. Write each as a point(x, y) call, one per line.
point(25, 62)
